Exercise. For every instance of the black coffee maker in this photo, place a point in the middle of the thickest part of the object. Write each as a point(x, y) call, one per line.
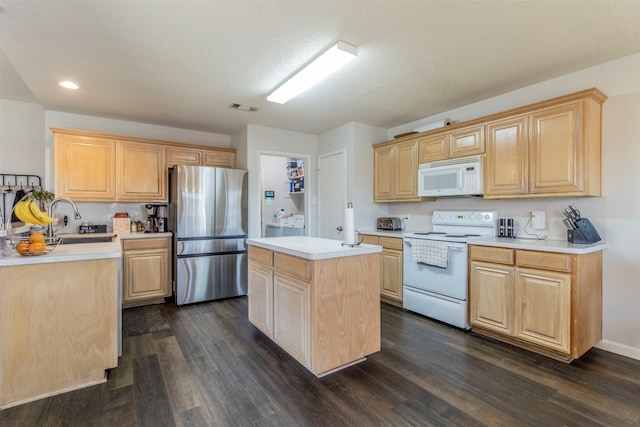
point(156, 219)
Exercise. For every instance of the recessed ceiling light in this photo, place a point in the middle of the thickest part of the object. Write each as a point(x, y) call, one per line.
point(69, 85)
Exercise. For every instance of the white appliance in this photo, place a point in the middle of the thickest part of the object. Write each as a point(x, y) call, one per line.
point(433, 290)
point(453, 177)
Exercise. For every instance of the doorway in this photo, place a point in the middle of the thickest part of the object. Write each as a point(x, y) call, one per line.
point(332, 197)
point(283, 196)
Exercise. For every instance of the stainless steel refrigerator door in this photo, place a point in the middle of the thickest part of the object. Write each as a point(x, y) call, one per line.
point(231, 202)
point(205, 278)
point(208, 201)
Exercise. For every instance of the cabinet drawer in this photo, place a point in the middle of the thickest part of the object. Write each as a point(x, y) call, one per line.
point(390, 243)
point(292, 265)
point(490, 254)
point(544, 260)
point(137, 244)
point(369, 239)
point(261, 256)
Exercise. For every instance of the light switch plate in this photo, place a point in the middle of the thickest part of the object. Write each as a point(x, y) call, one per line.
point(539, 220)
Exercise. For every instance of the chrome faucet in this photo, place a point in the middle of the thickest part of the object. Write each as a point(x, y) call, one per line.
point(76, 213)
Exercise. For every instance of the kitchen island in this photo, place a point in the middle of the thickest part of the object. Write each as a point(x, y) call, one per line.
point(59, 320)
point(316, 299)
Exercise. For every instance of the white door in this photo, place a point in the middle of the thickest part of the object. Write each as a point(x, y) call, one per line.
point(332, 197)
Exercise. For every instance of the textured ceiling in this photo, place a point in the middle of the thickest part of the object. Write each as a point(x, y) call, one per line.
point(182, 63)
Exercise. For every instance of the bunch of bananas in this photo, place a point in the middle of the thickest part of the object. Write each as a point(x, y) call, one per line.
point(28, 211)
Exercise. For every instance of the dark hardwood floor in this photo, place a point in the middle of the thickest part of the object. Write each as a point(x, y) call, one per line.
point(212, 367)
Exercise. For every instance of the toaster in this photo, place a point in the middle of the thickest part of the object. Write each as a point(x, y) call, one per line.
point(389, 223)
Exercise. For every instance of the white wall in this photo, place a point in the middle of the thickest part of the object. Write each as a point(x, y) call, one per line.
point(21, 138)
point(259, 140)
point(615, 214)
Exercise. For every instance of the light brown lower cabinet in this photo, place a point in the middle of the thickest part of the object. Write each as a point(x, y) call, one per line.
point(146, 271)
point(58, 327)
point(391, 267)
point(324, 313)
point(547, 302)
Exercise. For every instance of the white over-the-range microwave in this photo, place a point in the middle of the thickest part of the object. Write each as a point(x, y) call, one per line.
point(453, 177)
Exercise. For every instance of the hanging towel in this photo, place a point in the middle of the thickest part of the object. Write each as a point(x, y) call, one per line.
point(430, 252)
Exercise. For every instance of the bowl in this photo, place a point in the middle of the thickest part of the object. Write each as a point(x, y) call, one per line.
point(50, 242)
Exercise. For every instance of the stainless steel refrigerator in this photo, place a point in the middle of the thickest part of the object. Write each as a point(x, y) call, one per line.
point(208, 218)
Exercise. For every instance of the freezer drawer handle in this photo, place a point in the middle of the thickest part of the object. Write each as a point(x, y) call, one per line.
point(205, 254)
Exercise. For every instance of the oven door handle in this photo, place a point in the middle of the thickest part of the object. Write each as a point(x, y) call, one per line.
point(459, 247)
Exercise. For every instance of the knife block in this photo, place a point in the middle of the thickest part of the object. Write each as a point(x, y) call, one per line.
point(585, 233)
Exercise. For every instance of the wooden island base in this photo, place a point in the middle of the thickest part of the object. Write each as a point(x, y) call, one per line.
point(59, 327)
point(324, 312)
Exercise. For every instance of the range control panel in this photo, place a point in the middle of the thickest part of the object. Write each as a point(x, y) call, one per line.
point(465, 217)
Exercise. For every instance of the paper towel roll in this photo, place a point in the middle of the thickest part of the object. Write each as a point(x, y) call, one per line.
point(434, 125)
point(349, 227)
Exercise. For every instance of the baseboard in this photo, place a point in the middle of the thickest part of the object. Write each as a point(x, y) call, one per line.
point(621, 349)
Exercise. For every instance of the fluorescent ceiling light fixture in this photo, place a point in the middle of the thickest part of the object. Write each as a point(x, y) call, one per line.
point(69, 85)
point(324, 65)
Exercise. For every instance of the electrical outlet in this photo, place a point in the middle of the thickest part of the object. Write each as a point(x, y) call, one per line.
point(539, 220)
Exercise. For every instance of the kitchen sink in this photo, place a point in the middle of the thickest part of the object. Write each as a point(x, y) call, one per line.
point(88, 239)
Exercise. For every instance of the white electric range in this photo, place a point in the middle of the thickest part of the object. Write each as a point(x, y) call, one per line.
point(435, 264)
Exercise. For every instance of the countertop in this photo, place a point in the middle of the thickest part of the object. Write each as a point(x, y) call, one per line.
point(312, 248)
point(540, 245)
point(78, 252)
point(383, 233)
point(67, 253)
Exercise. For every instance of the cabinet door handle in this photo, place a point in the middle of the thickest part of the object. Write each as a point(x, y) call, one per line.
point(339, 228)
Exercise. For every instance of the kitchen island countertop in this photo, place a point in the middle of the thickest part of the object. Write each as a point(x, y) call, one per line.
point(547, 245)
point(312, 248)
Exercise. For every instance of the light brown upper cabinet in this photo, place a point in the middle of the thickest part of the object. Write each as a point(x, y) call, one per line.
point(141, 173)
point(217, 157)
point(462, 142)
point(98, 167)
point(549, 149)
point(85, 167)
point(396, 171)
point(183, 156)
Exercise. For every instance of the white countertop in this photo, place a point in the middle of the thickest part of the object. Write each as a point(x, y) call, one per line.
point(547, 245)
point(313, 248)
point(67, 253)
